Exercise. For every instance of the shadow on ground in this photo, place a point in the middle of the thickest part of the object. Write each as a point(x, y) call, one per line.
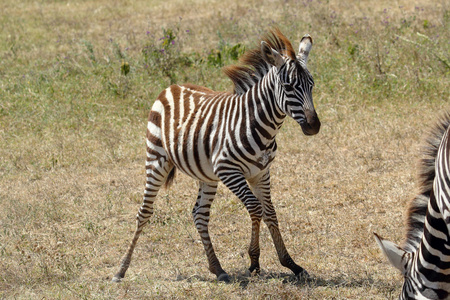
point(244, 279)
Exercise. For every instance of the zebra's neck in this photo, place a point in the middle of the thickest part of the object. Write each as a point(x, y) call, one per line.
point(261, 108)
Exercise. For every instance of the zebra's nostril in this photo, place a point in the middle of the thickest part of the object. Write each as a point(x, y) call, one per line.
point(312, 124)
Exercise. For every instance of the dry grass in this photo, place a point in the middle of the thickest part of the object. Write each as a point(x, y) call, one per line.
point(72, 135)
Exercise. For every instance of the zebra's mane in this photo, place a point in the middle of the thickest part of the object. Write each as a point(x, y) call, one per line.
point(417, 209)
point(252, 66)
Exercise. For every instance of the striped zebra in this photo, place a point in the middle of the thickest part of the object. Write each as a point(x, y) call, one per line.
point(230, 137)
point(424, 258)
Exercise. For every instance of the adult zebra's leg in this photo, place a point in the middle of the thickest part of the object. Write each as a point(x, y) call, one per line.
point(261, 188)
point(201, 210)
point(157, 169)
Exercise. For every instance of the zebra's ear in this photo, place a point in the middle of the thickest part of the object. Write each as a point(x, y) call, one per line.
point(394, 253)
point(305, 46)
point(271, 56)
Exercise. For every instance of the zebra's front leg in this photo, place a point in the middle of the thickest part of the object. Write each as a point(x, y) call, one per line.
point(253, 249)
point(261, 188)
point(200, 213)
point(283, 255)
point(237, 183)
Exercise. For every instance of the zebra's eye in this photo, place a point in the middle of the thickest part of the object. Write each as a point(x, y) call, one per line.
point(288, 87)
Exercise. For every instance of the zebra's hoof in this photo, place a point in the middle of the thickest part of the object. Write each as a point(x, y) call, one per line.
point(116, 279)
point(223, 277)
point(302, 275)
point(256, 271)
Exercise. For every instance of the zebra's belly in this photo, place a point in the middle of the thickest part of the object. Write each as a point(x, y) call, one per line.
point(195, 159)
point(204, 170)
point(251, 166)
point(198, 168)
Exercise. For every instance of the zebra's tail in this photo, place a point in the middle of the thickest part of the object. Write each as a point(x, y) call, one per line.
point(170, 178)
point(418, 205)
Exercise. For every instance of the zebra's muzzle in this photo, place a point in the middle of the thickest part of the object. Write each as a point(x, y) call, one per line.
point(312, 124)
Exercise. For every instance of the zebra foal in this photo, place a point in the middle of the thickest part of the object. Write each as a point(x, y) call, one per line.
point(230, 137)
point(424, 258)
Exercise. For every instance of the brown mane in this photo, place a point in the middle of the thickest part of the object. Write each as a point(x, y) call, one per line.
point(252, 66)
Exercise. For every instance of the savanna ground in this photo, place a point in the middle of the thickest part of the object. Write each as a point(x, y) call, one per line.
point(77, 79)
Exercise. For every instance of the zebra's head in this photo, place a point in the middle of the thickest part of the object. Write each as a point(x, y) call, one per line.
point(294, 84)
point(414, 285)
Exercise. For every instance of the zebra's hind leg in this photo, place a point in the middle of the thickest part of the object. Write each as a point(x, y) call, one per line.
point(200, 213)
point(157, 169)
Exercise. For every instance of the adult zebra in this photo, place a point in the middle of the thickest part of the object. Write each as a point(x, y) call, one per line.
point(217, 136)
point(424, 258)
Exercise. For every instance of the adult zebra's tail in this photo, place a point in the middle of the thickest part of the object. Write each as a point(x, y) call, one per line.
point(415, 219)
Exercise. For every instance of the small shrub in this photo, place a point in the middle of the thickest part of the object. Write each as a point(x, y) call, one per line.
point(164, 56)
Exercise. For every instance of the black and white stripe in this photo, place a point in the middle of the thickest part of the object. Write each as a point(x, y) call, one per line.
point(424, 258)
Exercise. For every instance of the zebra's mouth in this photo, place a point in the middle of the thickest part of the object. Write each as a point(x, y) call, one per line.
point(312, 124)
